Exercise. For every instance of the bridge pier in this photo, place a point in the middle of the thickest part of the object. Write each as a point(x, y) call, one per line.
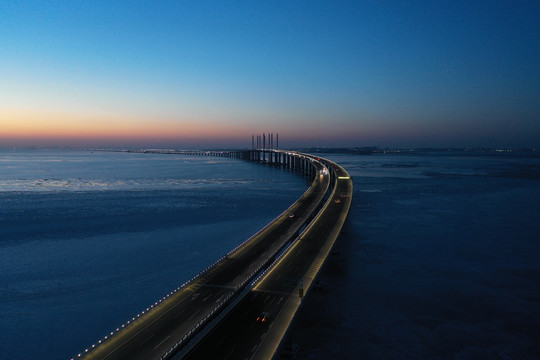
point(289, 161)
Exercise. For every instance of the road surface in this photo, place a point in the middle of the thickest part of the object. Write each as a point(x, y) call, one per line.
point(163, 326)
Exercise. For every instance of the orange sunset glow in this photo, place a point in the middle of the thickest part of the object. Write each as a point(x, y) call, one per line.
point(327, 75)
point(44, 125)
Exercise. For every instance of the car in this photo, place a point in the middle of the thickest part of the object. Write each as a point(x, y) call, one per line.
point(263, 317)
point(337, 201)
point(291, 216)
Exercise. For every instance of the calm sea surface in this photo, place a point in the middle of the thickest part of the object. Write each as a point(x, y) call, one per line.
point(88, 240)
point(439, 258)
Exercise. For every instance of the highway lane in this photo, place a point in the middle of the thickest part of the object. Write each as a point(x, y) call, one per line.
point(240, 335)
point(160, 328)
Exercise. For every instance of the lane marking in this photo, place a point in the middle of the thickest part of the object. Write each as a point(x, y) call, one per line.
point(195, 313)
point(145, 341)
point(143, 329)
point(230, 353)
point(161, 342)
point(273, 292)
point(180, 313)
point(219, 286)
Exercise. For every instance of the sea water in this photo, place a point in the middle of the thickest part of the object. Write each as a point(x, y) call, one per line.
point(439, 259)
point(90, 239)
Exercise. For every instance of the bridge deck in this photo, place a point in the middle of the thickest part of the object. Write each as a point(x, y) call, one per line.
point(168, 322)
point(239, 335)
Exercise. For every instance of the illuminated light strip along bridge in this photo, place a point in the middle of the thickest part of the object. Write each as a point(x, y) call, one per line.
point(279, 291)
point(171, 326)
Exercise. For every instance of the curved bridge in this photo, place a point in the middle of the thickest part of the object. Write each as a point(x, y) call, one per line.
point(214, 314)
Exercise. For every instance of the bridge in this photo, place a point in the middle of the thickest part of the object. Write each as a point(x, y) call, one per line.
point(214, 314)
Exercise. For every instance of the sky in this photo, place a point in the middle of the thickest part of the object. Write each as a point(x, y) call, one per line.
point(199, 74)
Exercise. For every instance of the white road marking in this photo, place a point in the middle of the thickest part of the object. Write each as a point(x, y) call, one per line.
point(161, 342)
point(192, 315)
point(230, 353)
point(145, 341)
point(180, 313)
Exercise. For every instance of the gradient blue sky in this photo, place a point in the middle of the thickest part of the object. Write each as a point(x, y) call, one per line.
point(320, 73)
